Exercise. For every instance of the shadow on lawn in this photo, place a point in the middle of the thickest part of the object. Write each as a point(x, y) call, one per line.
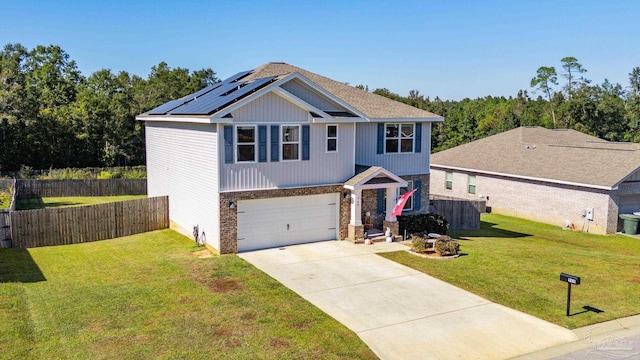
point(17, 265)
point(30, 204)
point(487, 229)
point(588, 309)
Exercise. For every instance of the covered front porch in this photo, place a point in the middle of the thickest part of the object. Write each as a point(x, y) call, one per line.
point(374, 179)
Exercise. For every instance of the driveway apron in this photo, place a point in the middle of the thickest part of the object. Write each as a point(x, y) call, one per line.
point(401, 313)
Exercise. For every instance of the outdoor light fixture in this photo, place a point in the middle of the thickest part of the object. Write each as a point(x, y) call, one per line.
point(232, 205)
point(345, 195)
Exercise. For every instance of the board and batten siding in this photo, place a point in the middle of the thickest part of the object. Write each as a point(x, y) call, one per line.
point(309, 95)
point(322, 168)
point(399, 163)
point(182, 163)
point(270, 108)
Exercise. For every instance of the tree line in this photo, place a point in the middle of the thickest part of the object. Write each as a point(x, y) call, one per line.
point(608, 111)
point(51, 116)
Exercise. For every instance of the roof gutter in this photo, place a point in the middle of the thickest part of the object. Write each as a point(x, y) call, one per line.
point(600, 187)
point(420, 119)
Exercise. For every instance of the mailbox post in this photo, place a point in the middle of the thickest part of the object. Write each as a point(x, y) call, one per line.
point(569, 279)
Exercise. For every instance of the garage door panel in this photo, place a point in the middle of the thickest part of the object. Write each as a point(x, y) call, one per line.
point(274, 222)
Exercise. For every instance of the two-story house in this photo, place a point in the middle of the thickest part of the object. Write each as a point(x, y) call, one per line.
point(279, 155)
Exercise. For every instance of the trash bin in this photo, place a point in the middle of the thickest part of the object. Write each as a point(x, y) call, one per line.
point(630, 223)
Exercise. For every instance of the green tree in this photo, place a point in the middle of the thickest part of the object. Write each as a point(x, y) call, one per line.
point(572, 70)
point(632, 106)
point(546, 76)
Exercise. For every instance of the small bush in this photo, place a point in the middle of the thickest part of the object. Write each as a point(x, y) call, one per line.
point(25, 172)
point(5, 199)
point(446, 246)
point(104, 175)
point(419, 243)
point(423, 223)
point(135, 172)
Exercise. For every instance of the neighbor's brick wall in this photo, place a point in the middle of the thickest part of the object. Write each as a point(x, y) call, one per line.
point(537, 201)
point(229, 217)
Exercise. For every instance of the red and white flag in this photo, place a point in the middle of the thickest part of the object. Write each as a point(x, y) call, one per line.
point(397, 210)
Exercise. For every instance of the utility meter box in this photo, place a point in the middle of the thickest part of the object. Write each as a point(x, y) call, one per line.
point(589, 214)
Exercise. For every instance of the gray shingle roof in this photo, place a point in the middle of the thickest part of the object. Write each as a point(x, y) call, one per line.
point(565, 156)
point(372, 105)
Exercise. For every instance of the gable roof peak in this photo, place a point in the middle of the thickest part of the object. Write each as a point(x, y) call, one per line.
point(372, 105)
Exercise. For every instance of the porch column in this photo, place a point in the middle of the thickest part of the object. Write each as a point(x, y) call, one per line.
point(391, 203)
point(356, 207)
point(355, 230)
point(391, 222)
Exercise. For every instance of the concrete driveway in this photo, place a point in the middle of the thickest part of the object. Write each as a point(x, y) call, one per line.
point(401, 313)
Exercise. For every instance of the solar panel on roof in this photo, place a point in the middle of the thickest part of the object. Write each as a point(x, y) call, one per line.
point(168, 106)
point(242, 92)
point(203, 91)
point(201, 104)
point(221, 97)
point(164, 108)
point(237, 76)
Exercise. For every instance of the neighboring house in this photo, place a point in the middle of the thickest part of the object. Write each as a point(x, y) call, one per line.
point(279, 155)
point(551, 176)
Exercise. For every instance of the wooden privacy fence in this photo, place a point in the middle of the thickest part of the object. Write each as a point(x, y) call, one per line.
point(73, 225)
point(5, 228)
point(462, 214)
point(28, 189)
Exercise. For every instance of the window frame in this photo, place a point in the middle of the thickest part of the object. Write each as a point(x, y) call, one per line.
point(298, 142)
point(469, 184)
point(409, 187)
point(238, 144)
point(327, 138)
point(448, 183)
point(399, 138)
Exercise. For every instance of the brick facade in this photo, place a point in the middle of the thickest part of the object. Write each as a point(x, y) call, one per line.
point(535, 200)
point(229, 217)
point(370, 201)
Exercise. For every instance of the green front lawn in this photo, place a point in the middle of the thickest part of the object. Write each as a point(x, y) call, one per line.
point(517, 263)
point(150, 296)
point(52, 202)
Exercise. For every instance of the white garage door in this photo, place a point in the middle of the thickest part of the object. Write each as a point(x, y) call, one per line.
point(265, 223)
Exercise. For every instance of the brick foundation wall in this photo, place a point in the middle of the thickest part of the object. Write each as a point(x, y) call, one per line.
point(229, 217)
point(355, 233)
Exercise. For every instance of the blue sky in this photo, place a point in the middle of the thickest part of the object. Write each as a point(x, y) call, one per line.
point(450, 49)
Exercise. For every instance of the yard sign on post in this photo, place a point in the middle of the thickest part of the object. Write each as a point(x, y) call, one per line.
point(569, 279)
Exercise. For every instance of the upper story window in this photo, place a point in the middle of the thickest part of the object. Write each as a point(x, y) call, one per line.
point(471, 180)
point(398, 138)
point(290, 142)
point(448, 182)
point(246, 143)
point(332, 138)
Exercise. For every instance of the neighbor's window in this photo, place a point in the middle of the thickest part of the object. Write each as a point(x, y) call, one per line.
point(472, 184)
point(291, 142)
point(448, 181)
point(332, 138)
point(398, 138)
point(403, 190)
point(246, 143)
